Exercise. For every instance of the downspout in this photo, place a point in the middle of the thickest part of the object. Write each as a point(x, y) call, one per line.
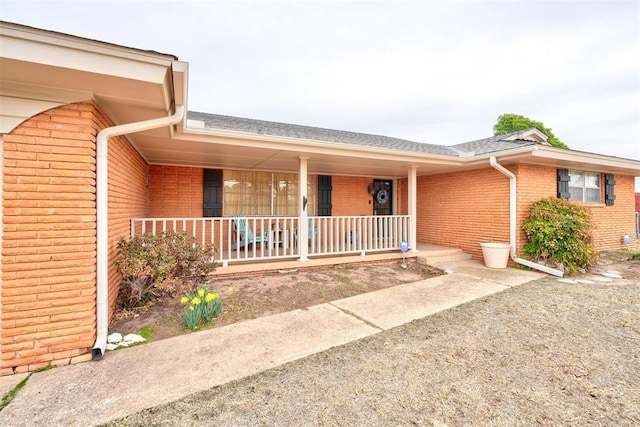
point(102, 223)
point(512, 222)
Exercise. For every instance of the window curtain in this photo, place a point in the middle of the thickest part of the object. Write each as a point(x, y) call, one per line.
point(264, 193)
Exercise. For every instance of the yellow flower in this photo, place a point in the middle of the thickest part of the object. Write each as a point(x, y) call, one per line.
point(211, 297)
point(184, 300)
point(196, 301)
point(201, 292)
point(230, 289)
point(191, 308)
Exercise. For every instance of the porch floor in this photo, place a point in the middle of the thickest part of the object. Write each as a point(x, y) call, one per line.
point(426, 251)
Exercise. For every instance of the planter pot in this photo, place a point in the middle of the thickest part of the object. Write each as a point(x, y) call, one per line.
point(496, 255)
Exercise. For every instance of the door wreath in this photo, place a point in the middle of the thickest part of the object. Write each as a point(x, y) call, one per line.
point(382, 196)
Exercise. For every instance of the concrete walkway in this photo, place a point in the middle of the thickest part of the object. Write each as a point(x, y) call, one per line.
point(129, 380)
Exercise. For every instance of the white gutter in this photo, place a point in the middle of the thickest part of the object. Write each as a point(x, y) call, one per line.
point(102, 223)
point(512, 222)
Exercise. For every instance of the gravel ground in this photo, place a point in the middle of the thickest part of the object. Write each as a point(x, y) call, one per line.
point(544, 353)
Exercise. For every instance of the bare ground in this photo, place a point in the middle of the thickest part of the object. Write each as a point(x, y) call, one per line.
point(255, 296)
point(544, 353)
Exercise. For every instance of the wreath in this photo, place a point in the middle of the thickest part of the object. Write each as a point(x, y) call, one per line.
point(382, 196)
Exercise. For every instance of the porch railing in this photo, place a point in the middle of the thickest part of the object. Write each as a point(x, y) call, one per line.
point(263, 238)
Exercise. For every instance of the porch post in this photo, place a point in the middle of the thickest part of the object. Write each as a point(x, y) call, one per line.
point(303, 226)
point(412, 204)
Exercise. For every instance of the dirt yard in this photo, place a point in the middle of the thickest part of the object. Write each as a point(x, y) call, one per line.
point(544, 353)
point(261, 295)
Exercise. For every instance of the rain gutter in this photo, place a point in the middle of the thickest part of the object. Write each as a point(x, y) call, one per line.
point(102, 223)
point(512, 222)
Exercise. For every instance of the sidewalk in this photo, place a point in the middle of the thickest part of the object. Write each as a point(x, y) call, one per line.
point(127, 381)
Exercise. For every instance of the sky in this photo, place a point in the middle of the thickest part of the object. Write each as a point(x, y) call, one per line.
point(428, 71)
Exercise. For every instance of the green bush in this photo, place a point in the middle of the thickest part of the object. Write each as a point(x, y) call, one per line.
point(559, 231)
point(155, 265)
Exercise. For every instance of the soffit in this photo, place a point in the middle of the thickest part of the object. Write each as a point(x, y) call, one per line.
point(129, 85)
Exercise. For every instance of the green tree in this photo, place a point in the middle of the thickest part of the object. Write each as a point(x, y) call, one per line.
point(508, 123)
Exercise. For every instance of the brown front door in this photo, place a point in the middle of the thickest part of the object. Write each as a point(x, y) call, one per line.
point(382, 197)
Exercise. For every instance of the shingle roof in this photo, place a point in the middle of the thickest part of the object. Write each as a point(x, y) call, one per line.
point(262, 127)
point(216, 121)
point(492, 144)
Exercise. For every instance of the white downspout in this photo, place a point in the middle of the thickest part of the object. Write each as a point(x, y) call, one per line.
point(512, 222)
point(102, 218)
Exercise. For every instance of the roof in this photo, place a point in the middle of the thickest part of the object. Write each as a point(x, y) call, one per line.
point(35, 29)
point(262, 127)
point(494, 143)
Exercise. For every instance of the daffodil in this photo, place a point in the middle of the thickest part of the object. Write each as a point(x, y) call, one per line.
point(230, 289)
point(211, 297)
point(191, 308)
point(196, 301)
point(184, 300)
point(201, 292)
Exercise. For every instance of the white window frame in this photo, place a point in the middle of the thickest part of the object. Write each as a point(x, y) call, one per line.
point(584, 186)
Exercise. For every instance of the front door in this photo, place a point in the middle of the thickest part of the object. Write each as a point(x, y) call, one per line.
point(382, 197)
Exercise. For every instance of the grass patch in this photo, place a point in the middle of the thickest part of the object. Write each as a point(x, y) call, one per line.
point(146, 332)
point(7, 398)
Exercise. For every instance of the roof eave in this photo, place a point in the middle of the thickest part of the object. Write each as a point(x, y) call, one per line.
point(338, 148)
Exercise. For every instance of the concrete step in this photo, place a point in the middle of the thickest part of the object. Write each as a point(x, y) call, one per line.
point(437, 257)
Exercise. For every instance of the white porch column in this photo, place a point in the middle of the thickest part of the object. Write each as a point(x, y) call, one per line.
point(303, 226)
point(412, 204)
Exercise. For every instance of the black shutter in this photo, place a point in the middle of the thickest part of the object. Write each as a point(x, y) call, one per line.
point(212, 193)
point(563, 184)
point(609, 183)
point(324, 195)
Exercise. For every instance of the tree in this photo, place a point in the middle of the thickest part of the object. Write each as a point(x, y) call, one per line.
point(508, 123)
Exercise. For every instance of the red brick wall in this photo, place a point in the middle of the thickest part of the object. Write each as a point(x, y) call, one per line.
point(49, 241)
point(637, 202)
point(612, 222)
point(463, 209)
point(402, 196)
point(466, 208)
point(349, 196)
point(175, 191)
point(127, 198)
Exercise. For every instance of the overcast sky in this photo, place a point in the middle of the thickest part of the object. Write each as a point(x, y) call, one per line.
point(438, 72)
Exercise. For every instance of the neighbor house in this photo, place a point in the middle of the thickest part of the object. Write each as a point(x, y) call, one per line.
point(97, 145)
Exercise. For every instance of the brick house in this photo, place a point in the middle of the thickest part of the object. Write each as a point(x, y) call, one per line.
point(97, 144)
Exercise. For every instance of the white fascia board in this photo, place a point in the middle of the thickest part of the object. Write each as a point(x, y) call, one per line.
point(62, 51)
point(599, 161)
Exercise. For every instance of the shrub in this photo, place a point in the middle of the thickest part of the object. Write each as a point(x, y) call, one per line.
point(560, 231)
point(154, 265)
point(203, 306)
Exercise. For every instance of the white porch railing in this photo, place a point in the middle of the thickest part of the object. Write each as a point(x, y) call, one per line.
point(263, 238)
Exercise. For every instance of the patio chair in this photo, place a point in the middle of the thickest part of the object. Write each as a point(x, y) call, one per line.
point(244, 235)
point(311, 231)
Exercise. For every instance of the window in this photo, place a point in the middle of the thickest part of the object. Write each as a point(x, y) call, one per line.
point(584, 186)
point(264, 193)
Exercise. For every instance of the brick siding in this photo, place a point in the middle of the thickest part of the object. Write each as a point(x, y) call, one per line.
point(464, 209)
point(49, 241)
point(175, 191)
point(349, 196)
